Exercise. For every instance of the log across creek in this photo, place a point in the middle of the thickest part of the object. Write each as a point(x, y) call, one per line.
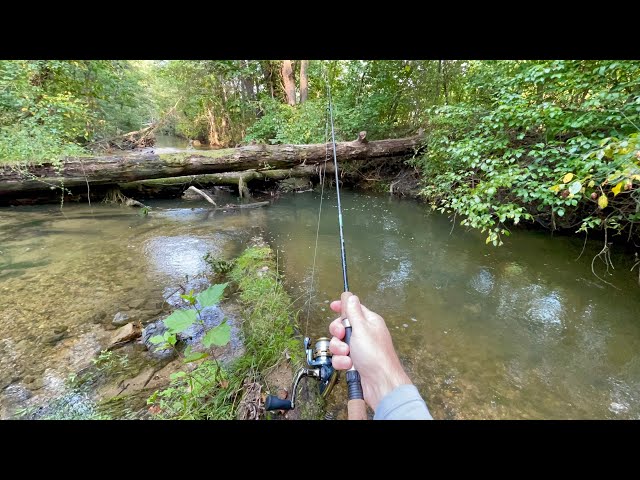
point(221, 166)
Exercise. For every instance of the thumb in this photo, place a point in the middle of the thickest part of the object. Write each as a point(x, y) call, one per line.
point(352, 310)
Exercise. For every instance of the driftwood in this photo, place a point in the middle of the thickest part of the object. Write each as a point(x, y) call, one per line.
point(260, 159)
point(145, 137)
point(203, 195)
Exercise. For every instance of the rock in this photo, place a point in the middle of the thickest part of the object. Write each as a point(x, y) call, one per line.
point(8, 380)
point(125, 334)
point(120, 318)
point(17, 393)
point(147, 316)
point(136, 303)
point(37, 384)
point(97, 317)
point(60, 329)
point(53, 338)
point(155, 328)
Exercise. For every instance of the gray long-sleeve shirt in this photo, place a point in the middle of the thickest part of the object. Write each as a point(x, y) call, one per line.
point(403, 403)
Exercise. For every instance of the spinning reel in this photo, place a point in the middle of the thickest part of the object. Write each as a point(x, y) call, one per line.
point(319, 361)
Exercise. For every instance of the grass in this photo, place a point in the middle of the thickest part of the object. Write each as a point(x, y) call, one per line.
point(212, 391)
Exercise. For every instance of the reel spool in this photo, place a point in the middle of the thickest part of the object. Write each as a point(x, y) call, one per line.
point(319, 361)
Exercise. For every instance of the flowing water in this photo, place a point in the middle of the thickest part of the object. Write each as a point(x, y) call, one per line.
point(520, 331)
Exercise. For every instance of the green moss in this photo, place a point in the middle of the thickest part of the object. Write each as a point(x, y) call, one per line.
point(182, 156)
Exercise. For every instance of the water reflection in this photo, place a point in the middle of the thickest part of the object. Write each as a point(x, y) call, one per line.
point(498, 333)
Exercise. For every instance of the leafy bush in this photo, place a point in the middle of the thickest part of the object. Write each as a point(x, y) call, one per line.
point(504, 160)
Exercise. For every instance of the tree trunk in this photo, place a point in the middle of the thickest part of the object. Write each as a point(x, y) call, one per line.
point(444, 83)
point(76, 173)
point(214, 140)
point(304, 81)
point(289, 82)
point(248, 84)
point(267, 73)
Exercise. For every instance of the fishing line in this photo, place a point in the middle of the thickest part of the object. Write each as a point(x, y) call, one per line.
point(322, 174)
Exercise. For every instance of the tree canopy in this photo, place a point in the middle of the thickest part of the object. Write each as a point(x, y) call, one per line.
point(553, 142)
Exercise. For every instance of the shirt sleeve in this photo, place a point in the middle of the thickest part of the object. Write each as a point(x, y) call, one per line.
point(403, 403)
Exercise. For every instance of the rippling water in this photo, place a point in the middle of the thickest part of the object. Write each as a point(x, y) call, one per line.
point(520, 331)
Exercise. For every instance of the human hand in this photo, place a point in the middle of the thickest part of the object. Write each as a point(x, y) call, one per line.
point(370, 351)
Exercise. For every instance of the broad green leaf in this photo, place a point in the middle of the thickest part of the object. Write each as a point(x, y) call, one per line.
point(219, 335)
point(157, 339)
point(180, 320)
point(616, 190)
point(192, 357)
point(567, 178)
point(172, 339)
point(555, 188)
point(211, 295)
point(176, 375)
point(488, 240)
point(561, 212)
point(603, 202)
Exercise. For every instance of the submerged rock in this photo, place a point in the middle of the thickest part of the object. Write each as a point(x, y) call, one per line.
point(120, 318)
point(54, 338)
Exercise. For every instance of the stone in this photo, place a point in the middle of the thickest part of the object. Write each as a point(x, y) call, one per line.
point(152, 329)
point(53, 338)
point(146, 316)
point(17, 393)
point(97, 317)
point(125, 334)
point(136, 303)
point(120, 319)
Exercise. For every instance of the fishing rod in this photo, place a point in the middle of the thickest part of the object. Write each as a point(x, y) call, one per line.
point(319, 358)
point(356, 407)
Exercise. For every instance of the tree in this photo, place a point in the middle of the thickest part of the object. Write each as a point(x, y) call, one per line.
point(289, 82)
point(304, 81)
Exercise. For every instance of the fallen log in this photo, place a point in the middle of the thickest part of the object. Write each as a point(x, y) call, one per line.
point(78, 172)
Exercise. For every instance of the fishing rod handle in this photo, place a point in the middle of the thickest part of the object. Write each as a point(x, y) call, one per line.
point(356, 408)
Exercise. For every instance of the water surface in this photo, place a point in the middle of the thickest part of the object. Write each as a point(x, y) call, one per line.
point(520, 331)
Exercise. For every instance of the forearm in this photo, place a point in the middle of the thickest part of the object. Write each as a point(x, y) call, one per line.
point(403, 403)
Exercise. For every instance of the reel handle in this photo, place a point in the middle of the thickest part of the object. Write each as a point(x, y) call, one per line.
point(274, 403)
point(356, 407)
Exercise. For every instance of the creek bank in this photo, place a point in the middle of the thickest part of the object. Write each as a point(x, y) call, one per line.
point(260, 358)
point(272, 352)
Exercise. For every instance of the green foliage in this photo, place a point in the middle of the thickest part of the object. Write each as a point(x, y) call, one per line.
point(504, 156)
point(180, 320)
point(213, 391)
point(52, 108)
point(219, 335)
point(219, 266)
point(211, 295)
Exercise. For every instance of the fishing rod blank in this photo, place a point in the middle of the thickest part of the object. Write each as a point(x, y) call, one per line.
point(356, 406)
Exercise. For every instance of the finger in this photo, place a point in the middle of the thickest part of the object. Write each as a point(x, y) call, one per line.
point(336, 328)
point(338, 347)
point(354, 312)
point(341, 362)
point(335, 306)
